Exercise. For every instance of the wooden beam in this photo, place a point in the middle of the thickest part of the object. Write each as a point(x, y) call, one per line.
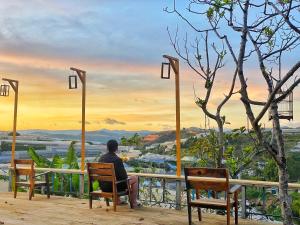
point(15, 86)
point(12, 83)
point(82, 75)
point(174, 62)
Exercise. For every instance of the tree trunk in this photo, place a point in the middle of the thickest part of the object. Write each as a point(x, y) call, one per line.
point(285, 201)
point(220, 143)
point(284, 197)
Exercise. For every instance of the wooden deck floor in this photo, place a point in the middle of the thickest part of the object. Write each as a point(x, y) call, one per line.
point(63, 210)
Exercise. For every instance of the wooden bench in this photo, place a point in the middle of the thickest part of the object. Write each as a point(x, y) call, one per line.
point(29, 171)
point(215, 186)
point(105, 172)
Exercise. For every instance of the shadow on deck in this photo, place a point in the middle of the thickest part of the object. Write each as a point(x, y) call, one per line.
point(64, 210)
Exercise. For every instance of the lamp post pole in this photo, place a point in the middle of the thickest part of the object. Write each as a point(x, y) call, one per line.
point(174, 63)
point(82, 76)
point(15, 86)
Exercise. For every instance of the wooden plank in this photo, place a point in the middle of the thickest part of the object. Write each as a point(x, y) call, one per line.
point(101, 171)
point(100, 165)
point(23, 161)
point(206, 172)
point(101, 178)
point(209, 185)
point(21, 172)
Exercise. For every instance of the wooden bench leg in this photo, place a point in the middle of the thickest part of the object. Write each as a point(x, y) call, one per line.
point(48, 191)
point(15, 186)
point(47, 186)
point(228, 215)
point(107, 201)
point(30, 193)
point(190, 214)
point(115, 198)
point(199, 214)
point(236, 209)
point(15, 190)
point(91, 201)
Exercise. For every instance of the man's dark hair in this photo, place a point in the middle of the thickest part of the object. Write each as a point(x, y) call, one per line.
point(112, 145)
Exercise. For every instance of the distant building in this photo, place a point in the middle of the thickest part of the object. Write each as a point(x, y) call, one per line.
point(150, 137)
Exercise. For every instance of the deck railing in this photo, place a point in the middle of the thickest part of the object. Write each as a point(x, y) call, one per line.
point(159, 189)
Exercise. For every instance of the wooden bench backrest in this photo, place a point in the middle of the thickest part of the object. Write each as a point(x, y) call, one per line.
point(209, 184)
point(101, 172)
point(27, 167)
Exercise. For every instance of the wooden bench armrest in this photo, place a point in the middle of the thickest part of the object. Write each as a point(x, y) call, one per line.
point(235, 188)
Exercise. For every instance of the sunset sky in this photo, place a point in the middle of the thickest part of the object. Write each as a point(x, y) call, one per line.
point(120, 44)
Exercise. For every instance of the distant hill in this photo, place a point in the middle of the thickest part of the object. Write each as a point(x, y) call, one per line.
point(164, 136)
point(97, 136)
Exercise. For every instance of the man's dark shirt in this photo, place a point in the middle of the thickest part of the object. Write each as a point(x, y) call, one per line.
point(119, 171)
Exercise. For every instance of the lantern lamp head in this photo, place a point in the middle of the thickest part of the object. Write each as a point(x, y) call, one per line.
point(4, 90)
point(165, 70)
point(72, 82)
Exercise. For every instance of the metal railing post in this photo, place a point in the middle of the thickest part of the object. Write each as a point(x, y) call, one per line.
point(10, 180)
point(81, 185)
point(178, 195)
point(243, 203)
point(138, 194)
point(164, 190)
point(150, 190)
point(264, 198)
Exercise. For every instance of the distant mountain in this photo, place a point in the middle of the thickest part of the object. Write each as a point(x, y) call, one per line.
point(96, 136)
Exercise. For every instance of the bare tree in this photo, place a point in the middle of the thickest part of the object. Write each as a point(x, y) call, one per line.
point(268, 32)
point(206, 66)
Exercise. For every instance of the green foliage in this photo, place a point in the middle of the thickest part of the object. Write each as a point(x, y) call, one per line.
point(57, 162)
point(293, 160)
point(39, 160)
point(135, 140)
point(239, 146)
point(274, 209)
point(71, 158)
point(61, 182)
point(216, 8)
point(205, 149)
point(284, 1)
point(239, 149)
point(210, 13)
point(270, 170)
point(268, 32)
point(200, 102)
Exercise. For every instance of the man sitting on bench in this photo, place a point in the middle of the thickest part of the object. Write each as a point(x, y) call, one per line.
point(121, 174)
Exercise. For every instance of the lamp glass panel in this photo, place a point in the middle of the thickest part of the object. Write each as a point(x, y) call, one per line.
point(4, 90)
point(165, 70)
point(72, 82)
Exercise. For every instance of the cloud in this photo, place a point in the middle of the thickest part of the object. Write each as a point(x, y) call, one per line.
point(111, 121)
point(167, 127)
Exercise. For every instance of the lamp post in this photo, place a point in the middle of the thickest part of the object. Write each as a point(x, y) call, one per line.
point(4, 91)
point(174, 63)
point(73, 85)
